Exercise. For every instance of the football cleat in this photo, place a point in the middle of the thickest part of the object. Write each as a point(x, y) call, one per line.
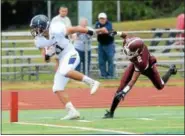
point(94, 87)
point(108, 115)
point(71, 115)
point(173, 69)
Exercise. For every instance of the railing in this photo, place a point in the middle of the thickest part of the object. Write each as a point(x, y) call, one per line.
point(27, 63)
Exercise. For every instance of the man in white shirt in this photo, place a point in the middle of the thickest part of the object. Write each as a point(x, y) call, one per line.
point(63, 11)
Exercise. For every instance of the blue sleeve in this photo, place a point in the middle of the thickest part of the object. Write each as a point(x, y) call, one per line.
point(109, 26)
point(96, 25)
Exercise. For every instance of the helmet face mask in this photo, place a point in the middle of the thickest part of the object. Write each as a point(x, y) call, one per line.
point(37, 31)
point(129, 54)
point(39, 25)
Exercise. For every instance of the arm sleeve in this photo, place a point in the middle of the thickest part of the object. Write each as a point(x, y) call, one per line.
point(96, 25)
point(109, 26)
point(42, 42)
point(145, 63)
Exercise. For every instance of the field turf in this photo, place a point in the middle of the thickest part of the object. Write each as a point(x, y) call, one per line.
point(137, 120)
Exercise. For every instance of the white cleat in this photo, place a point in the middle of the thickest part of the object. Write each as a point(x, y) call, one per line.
point(71, 115)
point(94, 87)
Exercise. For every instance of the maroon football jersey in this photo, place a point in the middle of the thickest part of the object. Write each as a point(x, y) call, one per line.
point(143, 60)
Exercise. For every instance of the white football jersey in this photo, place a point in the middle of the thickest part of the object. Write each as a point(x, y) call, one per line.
point(57, 38)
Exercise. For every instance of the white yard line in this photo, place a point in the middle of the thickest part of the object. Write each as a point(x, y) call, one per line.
point(83, 120)
point(74, 127)
point(160, 114)
point(145, 118)
point(45, 118)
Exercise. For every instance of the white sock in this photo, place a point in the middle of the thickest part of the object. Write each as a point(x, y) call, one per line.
point(88, 80)
point(69, 106)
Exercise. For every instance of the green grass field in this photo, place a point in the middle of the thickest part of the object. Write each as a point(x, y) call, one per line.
point(138, 120)
point(146, 24)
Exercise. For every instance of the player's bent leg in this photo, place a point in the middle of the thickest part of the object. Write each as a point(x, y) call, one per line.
point(124, 81)
point(67, 69)
point(153, 74)
point(73, 74)
point(72, 112)
point(172, 71)
point(81, 77)
point(63, 96)
point(58, 88)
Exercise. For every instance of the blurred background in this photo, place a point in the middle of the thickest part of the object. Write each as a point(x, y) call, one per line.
point(16, 14)
point(163, 21)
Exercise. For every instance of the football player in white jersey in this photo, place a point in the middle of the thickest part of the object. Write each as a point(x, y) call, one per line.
point(53, 38)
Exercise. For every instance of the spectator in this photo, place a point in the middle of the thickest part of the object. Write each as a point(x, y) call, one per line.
point(106, 47)
point(63, 11)
point(180, 23)
point(81, 42)
point(180, 26)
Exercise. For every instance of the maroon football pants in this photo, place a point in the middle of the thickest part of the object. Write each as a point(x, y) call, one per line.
point(152, 73)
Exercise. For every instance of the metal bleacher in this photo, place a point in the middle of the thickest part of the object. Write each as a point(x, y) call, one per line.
point(19, 65)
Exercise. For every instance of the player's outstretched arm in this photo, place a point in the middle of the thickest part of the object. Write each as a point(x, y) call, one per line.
point(102, 30)
point(129, 86)
point(47, 53)
point(135, 76)
point(43, 53)
point(75, 29)
point(118, 33)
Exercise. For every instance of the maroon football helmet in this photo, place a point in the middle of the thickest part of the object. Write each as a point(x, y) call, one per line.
point(132, 47)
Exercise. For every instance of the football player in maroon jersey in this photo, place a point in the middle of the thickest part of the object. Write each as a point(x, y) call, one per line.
point(142, 62)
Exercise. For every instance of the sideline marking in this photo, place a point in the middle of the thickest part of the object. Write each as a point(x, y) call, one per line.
point(145, 118)
point(45, 117)
point(84, 120)
point(160, 114)
point(73, 127)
